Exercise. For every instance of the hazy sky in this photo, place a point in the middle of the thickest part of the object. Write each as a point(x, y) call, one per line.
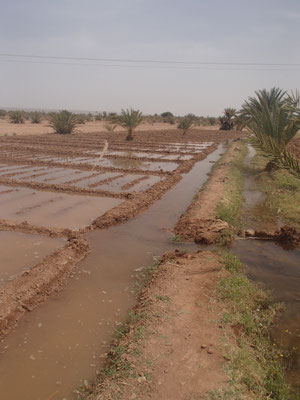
point(264, 31)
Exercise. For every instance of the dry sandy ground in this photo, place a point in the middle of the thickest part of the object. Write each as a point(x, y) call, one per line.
point(200, 222)
point(176, 350)
point(7, 128)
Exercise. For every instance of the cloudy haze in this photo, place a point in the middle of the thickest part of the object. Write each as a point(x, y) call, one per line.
point(264, 31)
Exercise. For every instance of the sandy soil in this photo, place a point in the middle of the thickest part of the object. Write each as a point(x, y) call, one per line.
point(294, 147)
point(7, 128)
point(200, 222)
point(176, 348)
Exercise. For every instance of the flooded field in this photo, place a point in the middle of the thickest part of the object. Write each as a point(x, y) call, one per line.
point(278, 269)
point(54, 196)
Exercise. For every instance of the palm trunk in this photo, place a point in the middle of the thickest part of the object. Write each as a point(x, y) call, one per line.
point(129, 135)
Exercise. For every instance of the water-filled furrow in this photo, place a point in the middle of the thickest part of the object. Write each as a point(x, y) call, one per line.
point(63, 340)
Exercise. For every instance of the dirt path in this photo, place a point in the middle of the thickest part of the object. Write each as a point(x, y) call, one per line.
point(175, 345)
point(200, 222)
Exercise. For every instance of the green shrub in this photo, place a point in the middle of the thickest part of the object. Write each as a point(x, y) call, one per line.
point(63, 122)
point(129, 119)
point(16, 117)
point(81, 119)
point(36, 117)
point(186, 123)
point(3, 113)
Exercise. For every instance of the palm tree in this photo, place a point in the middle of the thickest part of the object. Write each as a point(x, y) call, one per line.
point(63, 122)
point(227, 119)
point(272, 113)
point(130, 119)
point(273, 117)
point(186, 123)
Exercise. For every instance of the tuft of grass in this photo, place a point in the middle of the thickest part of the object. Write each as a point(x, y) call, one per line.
point(254, 367)
point(164, 299)
point(125, 354)
point(282, 191)
point(16, 117)
point(230, 207)
point(176, 238)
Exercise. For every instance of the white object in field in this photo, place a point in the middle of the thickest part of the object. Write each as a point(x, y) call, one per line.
point(105, 147)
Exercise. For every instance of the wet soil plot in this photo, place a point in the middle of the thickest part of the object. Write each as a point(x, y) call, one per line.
point(54, 190)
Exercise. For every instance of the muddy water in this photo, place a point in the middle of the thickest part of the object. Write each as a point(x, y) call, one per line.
point(279, 270)
point(61, 342)
point(277, 267)
point(55, 210)
point(20, 252)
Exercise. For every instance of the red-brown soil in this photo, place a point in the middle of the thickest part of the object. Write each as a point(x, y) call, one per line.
point(34, 286)
point(175, 350)
point(294, 147)
point(30, 289)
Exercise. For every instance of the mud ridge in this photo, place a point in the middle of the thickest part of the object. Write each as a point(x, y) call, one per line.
point(65, 189)
point(165, 360)
point(200, 222)
point(286, 235)
point(34, 286)
point(24, 227)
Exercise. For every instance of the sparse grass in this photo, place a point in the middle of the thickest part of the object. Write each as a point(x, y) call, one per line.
point(176, 239)
point(16, 117)
point(125, 359)
point(282, 191)
point(230, 207)
point(254, 365)
point(164, 299)
point(110, 127)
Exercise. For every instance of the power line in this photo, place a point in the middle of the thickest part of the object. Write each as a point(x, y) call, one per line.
point(200, 68)
point(148, 61)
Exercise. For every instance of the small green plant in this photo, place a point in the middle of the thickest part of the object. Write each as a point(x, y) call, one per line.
point(3, 113)
point(36, 117)
point(227, 119)
point(168, 118)
point(110, 127)
point(212, 121)
point(129, 119)
point(176, 238)
point(164, 299)
point(16, 117)
point(186, 123)
point(81, 119)
point(63, 122)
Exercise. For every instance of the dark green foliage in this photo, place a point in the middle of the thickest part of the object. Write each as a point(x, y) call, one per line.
point(212, 121)
point(81, 119)
point(63, 122)
point(272, 113)
point(167, 114)
point(186, 123)
point(273, 117)
point(227, 119)
point(16, 117)
point(35, 117)
point(129, 119)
